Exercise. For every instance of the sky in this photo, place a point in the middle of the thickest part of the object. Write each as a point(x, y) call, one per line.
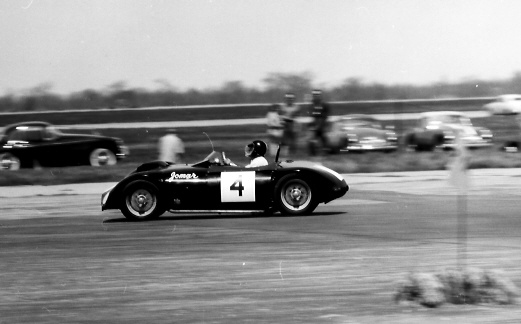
point(73, 45)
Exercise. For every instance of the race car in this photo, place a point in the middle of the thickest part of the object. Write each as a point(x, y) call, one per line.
point(214, 185)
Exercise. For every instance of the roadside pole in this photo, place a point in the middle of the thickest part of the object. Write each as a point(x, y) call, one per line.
point(459, 178)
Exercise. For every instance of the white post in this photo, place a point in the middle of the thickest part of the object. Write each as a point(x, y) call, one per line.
point(459, 178)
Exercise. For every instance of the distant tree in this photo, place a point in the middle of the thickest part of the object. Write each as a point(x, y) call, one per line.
point(40, 89)
point(515, 84)
point(118, 94)
point(164, 85)
point(8, 102)
point(116, 87)
point(40, 97)
point(279, 83)
point(86, 99)
point(351, 89)
point(232, 92)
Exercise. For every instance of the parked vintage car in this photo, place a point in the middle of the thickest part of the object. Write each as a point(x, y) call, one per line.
point(215, 185)
point(37, 143)
point(361, 133)
point(439, 129)
point(508, 104)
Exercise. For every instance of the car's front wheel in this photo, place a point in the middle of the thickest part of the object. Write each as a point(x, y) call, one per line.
point(141, 201)
point(9, 161)
point(294, 196)
point(101, 157)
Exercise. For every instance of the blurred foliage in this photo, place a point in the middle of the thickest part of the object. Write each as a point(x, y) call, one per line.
point(120, 95)
point(471, 286)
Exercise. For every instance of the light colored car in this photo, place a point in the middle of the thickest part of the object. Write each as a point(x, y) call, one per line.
point(439, 130)
point(509, 104)
point(361, 133)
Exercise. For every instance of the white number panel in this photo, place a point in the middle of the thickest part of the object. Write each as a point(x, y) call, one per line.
point(238, 186)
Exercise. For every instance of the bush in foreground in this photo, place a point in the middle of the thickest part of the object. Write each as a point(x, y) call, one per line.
point(473, 286)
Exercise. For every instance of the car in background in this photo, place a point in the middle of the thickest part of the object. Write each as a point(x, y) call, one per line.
point(508, 104)
point(438, 130)
point(37, 143)
point(361, 133)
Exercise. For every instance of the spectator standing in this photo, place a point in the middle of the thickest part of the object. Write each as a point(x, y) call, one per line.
point(275, 128)
point(319, 112)
point(171, 147)
point(289, 113)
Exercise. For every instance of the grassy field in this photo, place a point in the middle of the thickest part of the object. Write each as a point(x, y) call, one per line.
point(231, 139)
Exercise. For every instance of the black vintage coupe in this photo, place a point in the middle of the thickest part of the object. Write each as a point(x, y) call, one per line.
point(213, 185)
point(39, 143)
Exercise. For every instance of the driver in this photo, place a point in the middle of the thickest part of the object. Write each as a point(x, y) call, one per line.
point(255, 151)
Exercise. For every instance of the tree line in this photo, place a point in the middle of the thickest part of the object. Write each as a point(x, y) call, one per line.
point(119, 95)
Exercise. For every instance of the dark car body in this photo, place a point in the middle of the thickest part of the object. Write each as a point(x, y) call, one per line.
point(292, 187)
point(361, 133)
point(39, 143)
point(439, 130)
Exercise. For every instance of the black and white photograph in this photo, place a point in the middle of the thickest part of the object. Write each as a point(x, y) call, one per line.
point(260, 161)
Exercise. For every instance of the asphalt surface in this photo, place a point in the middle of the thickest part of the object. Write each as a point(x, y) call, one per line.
point(65, 261)
point(426, 182)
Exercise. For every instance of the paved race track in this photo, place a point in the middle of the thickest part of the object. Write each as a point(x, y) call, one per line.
point(64, 261)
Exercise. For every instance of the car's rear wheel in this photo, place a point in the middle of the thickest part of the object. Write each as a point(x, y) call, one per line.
point(9, 161)
point(141, 201)
point(101, 157)
point(294, 196)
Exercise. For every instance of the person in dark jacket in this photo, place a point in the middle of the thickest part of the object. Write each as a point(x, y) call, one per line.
point(319, 112)
point(289, 113)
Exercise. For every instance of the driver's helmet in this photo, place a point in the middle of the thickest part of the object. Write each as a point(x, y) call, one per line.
point(255, 149)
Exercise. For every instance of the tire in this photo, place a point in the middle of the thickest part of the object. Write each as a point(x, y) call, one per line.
point(141, 201)
point(101, 157)
point(409, 144)
point(294, 196)
point(342, 144)
point(10, 162)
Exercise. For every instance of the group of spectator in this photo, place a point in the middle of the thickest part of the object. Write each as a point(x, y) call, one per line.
point(284, 128)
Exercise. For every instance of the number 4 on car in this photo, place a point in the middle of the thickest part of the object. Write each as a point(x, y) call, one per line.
point(238, 186)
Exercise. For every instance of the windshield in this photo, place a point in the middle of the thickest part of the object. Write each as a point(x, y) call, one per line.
point(360, 123)
point(214, 158)
point(33, 133)
point(448, 119)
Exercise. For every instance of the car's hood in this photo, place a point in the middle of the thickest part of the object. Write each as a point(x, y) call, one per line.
point(367, 132)
point(77, 137)
point(466, 131)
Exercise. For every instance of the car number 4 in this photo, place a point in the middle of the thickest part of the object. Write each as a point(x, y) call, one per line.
point(238, 186)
